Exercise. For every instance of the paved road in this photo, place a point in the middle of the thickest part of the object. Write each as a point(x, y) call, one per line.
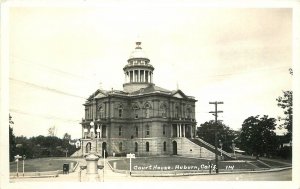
point(110, 176)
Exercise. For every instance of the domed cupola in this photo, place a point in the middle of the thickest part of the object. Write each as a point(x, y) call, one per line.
point(138, 71)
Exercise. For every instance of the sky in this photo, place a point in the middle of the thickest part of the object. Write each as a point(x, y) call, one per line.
point(58, 56)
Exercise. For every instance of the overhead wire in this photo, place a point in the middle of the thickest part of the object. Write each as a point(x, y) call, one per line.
point(64, 73)
point(43, 116)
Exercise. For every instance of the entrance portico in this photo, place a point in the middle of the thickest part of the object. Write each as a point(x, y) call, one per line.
point(182, 130)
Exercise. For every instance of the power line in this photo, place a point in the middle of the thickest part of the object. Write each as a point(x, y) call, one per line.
point(28, 62)
point(42, 116)
point(45, 88)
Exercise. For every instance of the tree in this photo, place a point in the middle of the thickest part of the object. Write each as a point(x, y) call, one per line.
point(12, 140)
point(286, 103)
point(67, 137)
point(207, 130)
point(51, 131)
point(258, 136)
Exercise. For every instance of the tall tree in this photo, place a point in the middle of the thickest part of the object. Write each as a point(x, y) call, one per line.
point(51, 131)
point(207, 130)
point(258, 135)
point(286, 103)
point(12, 140)
point(67, 137)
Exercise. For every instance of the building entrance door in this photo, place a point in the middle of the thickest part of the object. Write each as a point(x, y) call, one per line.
point(88, 147)
point(104, 148)
point(174, 148)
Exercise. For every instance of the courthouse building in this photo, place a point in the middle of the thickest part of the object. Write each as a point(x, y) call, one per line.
point(143, 118)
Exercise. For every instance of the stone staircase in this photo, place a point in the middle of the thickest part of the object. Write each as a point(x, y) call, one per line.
point(211, 148)
point(78, 153)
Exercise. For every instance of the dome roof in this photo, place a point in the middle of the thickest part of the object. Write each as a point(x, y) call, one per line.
point(138, 52)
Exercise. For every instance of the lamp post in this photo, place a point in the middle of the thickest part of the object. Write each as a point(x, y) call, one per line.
point(221, 144)
point(24, 157)
point(98, 136)
point(17, 157)
point(233, 147)
point(98, 132)
point(66, 151)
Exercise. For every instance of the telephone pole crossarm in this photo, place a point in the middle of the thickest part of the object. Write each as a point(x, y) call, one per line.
point(215, 112)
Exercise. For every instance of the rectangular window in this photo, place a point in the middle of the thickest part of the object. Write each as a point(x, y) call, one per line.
point(120, 131)
point(147, 147)
point(136, 131)
point(120, 146)
point(135, 147)
point(120, 113)
point(147, 130)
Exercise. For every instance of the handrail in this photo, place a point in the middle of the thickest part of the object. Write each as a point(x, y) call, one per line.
point(213, 147)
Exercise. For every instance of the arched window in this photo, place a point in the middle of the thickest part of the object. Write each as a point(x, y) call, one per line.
point(100, 112)
point(147, 112)
point(136, 147)
point(88, 147)
point(147, 108)
point(120, 146)
point(147, 146)
point(165, 146)
point(188, 112)
point(135, 108)
point(120, 111)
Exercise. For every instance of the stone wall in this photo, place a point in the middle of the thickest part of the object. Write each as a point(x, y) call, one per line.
point(189, 149)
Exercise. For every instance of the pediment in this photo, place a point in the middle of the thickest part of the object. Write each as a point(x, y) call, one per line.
point(179, 94)
point(100, 95)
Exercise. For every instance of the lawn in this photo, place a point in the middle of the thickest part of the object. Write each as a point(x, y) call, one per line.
point(40, 165)
point(175, 163)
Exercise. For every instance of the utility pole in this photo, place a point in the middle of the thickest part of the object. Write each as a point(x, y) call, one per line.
point(215, 113)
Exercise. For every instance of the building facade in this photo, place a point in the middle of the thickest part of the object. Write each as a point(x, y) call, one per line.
point(143, 118)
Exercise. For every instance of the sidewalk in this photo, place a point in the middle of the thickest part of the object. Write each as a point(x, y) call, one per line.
point(107, 175)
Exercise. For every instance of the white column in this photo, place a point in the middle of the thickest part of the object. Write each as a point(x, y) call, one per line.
point(139, 75)
point(177, 130)
point(180, 134)
point(106, 132)
point(191, 131)
point(100, 131)
point(171, 130)
point(127, 77)
point(184, 130)
point(150, 77)
point(144, 76)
